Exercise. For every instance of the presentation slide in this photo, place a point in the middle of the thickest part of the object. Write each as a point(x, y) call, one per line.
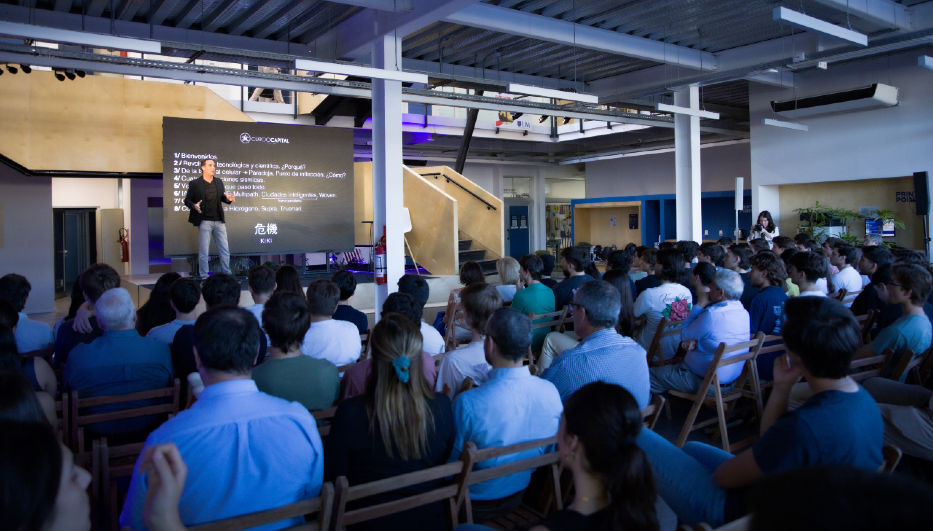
point(292, 185)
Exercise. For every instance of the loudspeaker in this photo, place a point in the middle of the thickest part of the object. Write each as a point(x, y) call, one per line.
point(922, 193)
point(740, 193)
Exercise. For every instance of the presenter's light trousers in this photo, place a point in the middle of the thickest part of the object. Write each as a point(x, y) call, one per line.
point(218, 230)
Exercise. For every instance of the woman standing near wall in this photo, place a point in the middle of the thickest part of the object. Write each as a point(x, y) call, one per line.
point(764, 227)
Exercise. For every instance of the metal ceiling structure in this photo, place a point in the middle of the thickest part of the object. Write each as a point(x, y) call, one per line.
point(631, 53)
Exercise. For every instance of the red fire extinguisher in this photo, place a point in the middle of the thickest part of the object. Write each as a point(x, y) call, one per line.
point(380, 258)
point(124, 240)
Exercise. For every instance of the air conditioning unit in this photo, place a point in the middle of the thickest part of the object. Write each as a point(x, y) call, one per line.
point(860, 99)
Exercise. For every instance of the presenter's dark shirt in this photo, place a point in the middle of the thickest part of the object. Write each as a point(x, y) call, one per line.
point(211, 204)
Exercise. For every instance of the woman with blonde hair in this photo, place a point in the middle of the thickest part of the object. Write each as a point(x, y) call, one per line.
point(509, 279)
point(398, 425)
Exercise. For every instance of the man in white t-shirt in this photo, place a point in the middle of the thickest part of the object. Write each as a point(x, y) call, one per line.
point(844, 256)
point(469, 361)
point(335, 341)
point(806, 269)
point(417, 287)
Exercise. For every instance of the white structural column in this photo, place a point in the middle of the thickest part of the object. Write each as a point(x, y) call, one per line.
point(388, 201)
point(687, 162)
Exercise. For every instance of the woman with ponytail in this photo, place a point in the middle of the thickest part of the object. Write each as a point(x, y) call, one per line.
point(398, 425)
point(612, 479)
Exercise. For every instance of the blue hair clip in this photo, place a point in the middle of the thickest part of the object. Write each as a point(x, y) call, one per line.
point(401, 365)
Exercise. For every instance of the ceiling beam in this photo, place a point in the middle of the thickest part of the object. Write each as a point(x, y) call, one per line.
point(379, 5)
point(488, 76)
point(514, 22)
point(352, 38)
point(885, 13)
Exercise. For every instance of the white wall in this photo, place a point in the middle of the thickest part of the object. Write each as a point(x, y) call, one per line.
point(879, 143)
point(654, 174)
point(27, 246)
point(84, 193)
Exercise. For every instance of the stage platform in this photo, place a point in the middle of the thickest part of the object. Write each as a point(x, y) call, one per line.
point(140, 286)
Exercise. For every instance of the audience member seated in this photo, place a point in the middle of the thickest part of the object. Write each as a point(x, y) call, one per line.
point(712, 253)
point(781, 244)
point(646, 263)
point(689, 250)
point(76, 301)
point(119, 362)
point(759, 244)
point(261, 284)
point(767, 307)
point(417, 287)
point(354, 379)
point(287, 279)
point(19, 401)
point(469, 361)
point(547, 262)
point(909, 287)
point(671, 299)
point(804, 242)
point(805, 270)
point(620, 280)
point(42, 487)
point(602, 354)
point(701, 276)
point(844, 256)
point(470, 273)
point(158, 309)
point(613, 484)
point(246, 451)
point(873, 257)
point(724, 320)
point(329, 339)
point(31, 336)
point(508, 270)
point(839, 424)
point(399, 425)
point(907, 411)
point(840, 498)
point(737, 259)
point(219, 289)
point(287, 373)
point(827, 248)
point(578, 268)
point(511, 407)
point(535, 297)
point(36, 370)
point(346, 282)
point(94, 281)
point(184, 296)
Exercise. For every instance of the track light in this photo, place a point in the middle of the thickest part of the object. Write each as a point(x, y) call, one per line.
point(81, 73)
point(70, 75)
point(26, 69)
point(566, 120)
point(11, 69)
point(59, 76)
point(542, 119)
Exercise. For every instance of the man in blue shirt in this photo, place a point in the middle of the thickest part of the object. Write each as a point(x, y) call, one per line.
point(839, 425)
point(31, 336)
point(511, 407)
point(767, 307)
point(603, 354)
point(94, 281)
point(246, 451)
point(184, 296)
point(724, 320)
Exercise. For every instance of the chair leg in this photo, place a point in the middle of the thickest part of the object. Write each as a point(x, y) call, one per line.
point(688, 423)
point(721, 412)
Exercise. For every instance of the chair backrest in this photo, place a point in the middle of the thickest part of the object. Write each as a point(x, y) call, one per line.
point(892, 456)
point(322, 507)
point(666, 328)
point(925, 368)
point(345, 494)
point(866, 322)
point(907, 362)
point(364, 348)
point(471, 455)
point(720, 360)
point(849, 297)
point(864, 368)
point(324, 417)
point(116, 463)
point(77, 420)
point(549, 319)
point(652, 411)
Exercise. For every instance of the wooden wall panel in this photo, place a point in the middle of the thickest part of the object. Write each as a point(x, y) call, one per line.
point(433, 237)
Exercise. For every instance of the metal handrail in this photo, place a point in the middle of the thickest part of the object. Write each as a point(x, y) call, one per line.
point(465, 189)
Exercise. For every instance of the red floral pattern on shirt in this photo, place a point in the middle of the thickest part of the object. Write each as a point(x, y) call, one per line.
point(677, 310)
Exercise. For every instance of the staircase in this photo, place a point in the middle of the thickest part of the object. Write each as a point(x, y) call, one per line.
point(467, 253)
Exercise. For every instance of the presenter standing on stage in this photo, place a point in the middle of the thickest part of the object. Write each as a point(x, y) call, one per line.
point(204, 198)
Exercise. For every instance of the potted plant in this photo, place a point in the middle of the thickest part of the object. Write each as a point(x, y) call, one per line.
point(823, 221)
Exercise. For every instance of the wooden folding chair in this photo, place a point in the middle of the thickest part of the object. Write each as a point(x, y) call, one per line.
point(746, 386)
point(318, 513)
point(652, 411)
point(324, 418)
point(892, 457)
point(867, 322)
point(168, 396)
point(772, 348)
point(524, 515)
point(865, 368)
point(665, 329)
point(346, 494)
point(849, 297)
point(116, 468)
point(909, 366)
point(450, 335)
point(364, 345)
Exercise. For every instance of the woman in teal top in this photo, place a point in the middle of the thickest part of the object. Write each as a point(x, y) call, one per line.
point(535, 297)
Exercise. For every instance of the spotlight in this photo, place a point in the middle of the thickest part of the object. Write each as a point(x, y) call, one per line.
point(26, 69)
point(517, 115)
point(70, 75)
point(11, 69)
point(81, 73)
point(59, 76)
point(566, 120)
point(542, 119)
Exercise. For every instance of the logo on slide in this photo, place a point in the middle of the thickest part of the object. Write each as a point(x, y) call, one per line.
point(245, 138)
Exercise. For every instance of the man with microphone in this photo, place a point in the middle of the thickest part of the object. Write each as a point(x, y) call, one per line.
point(204, 198)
